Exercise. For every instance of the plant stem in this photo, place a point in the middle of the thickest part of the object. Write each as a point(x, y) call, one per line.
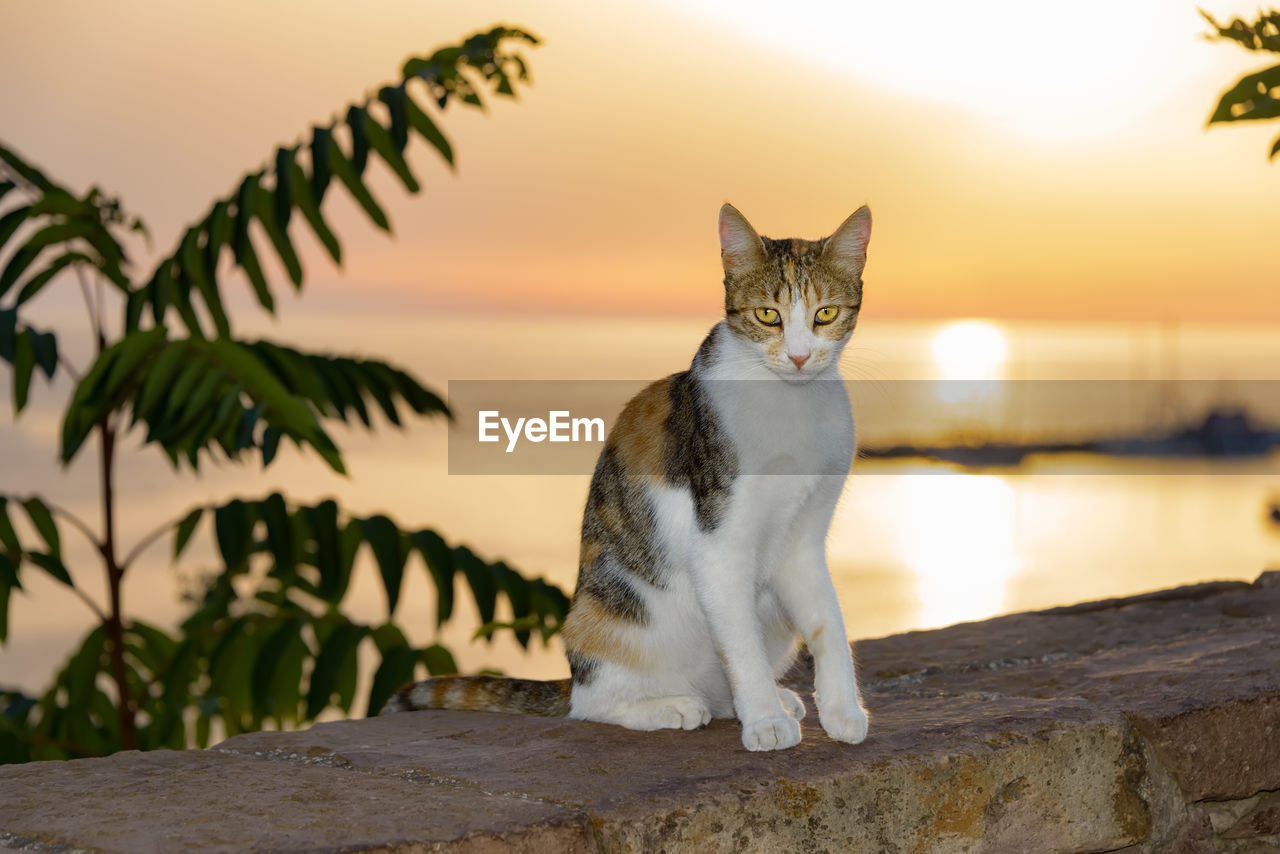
point(115, 623)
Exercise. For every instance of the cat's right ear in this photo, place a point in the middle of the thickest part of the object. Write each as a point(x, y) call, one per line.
point(740, 246)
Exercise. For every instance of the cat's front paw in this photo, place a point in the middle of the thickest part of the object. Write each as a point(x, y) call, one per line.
point(771, 733)
point(845, 723)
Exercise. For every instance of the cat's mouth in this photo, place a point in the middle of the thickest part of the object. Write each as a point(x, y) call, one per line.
point(793, 374)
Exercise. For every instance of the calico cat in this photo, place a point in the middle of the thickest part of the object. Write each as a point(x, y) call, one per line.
point(703, 540)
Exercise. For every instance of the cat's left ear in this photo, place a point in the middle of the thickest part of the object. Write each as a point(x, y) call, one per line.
point(847, 247)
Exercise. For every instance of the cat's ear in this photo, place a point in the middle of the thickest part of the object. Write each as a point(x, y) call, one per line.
point(847, 247)
point(740, 246)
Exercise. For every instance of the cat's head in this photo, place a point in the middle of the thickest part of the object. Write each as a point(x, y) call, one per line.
point(796, 301)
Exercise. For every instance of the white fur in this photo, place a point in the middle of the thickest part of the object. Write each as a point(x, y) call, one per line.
point(724, 627)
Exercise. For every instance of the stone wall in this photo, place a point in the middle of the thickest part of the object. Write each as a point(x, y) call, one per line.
point(1143, 724)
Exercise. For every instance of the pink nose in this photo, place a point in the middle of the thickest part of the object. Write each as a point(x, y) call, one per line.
point(799, 360)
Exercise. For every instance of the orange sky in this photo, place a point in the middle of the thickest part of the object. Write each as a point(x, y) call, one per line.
point(1061, 175)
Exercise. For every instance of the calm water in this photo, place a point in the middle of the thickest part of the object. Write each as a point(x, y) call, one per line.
point(912, 545)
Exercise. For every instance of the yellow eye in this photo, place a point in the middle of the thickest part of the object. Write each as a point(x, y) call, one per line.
point(768, 316)
point(826, 315)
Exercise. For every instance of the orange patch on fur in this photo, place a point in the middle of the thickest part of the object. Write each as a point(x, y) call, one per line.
point(439, 688)
point(590, 630)
point(588, 553)
point(639, 434)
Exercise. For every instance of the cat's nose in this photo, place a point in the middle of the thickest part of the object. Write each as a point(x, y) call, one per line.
point(799, 360)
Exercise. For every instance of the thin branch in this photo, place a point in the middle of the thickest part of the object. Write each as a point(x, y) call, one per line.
point(76, 522)
point(93, 606)
point(88, 303)
point(97, 280)
point(68, 367)
point(66, 514)
point(26, 186)
point(146, 541)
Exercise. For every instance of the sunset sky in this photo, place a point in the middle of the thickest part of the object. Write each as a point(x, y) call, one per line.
point(1044, 161)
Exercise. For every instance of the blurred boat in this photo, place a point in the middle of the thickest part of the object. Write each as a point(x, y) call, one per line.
point(1223, 432)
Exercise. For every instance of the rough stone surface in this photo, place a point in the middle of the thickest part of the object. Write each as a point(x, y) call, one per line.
point(166, 801)
point(1149, 724)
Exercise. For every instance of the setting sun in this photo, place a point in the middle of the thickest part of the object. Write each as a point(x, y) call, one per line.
point(969, 350)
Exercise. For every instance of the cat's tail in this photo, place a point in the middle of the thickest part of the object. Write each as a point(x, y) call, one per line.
point(484, 694)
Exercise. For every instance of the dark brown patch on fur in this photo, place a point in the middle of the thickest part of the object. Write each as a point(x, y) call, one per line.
point(583, 668)
point(484, 694)
point(612, 593)
point(618, 521)
point(699, 455)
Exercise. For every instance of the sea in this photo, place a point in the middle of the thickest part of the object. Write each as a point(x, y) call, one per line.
point(915, 543)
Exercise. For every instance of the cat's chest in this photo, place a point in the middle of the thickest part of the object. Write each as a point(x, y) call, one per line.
point(777, 428)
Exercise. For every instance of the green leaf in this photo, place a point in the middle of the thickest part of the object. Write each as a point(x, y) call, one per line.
point(336, 653)
point(381, 142)
point(106, 385)
point(349, 541)
point(270, 444)
point(45, 345)
point(245, 195)
point(396, 669)
point(34, 285)
point(24, 362)
point(253, 270)
point(373, 383)
point(264, 210)
point(339, 165)
point(427, 129)
point(160, 290)
point(42, 519)
point(233, 523)
point(79, 680)
point(27, 171)
point(359, 145)
point(8, 536)
point(4, 609)
point(439, 661)
point(52, 565)
point(385, 540)
point(50, 235)
point(159, 380)
point(440, 563)
point(320, 137)
point(397, 107)
point(12, 221)
point(310, 208)
point(283, 192)
point(280, 408)
point(270, 673)
point(9, 573)
point(284, 549)
point(154, 649)
point(480, 579)
point(1248, 100)
point(182, 533)
point(8, 332)
point(323, 521)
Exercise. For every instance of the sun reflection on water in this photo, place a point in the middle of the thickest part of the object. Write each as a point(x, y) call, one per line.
point(959, 538)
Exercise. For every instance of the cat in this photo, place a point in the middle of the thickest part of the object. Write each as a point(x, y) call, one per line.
point(703, 539)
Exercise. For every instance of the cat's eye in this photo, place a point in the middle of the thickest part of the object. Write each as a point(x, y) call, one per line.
point(826, 315)
point(768, 316)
